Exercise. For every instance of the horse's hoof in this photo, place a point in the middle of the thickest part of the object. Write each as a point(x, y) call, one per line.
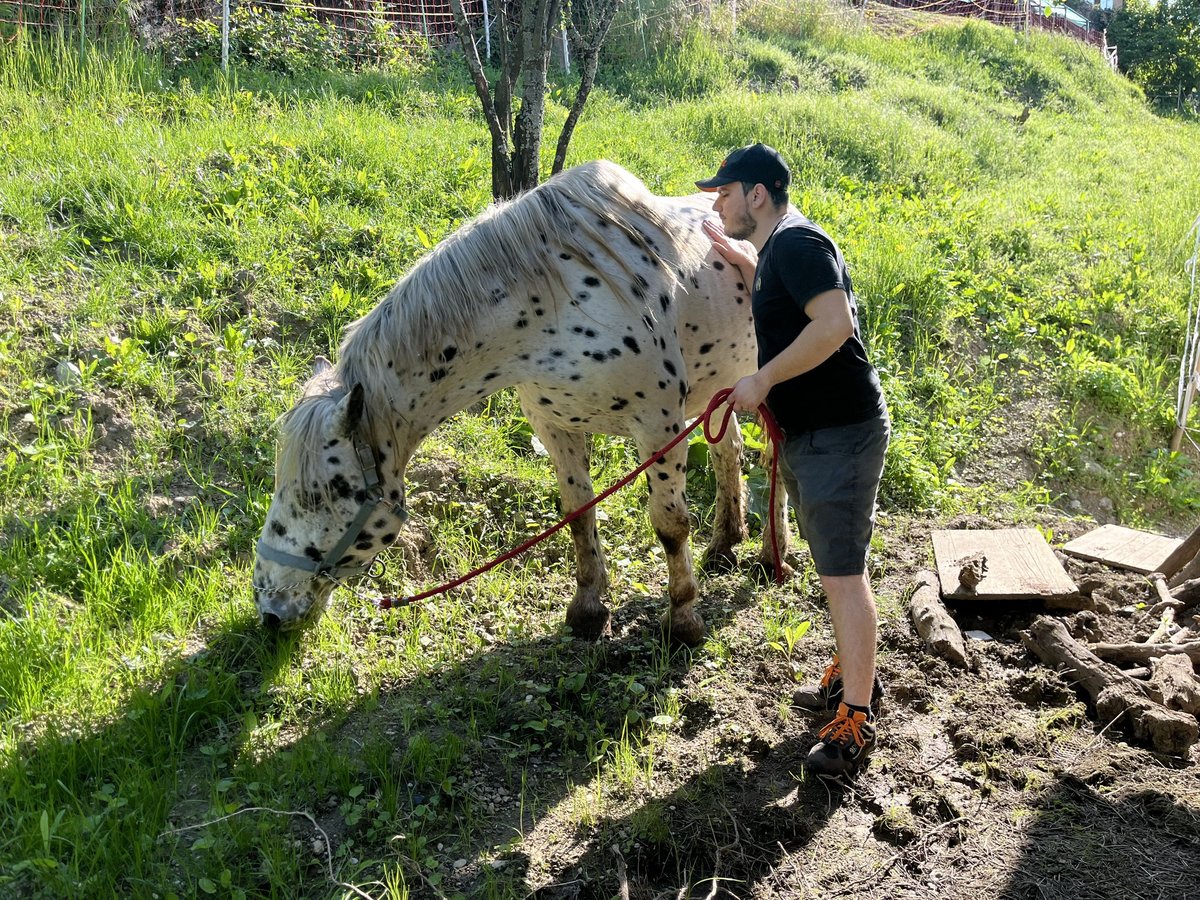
point(719, 562)
point(685, 628)
point(592, 626)
point(764, 572)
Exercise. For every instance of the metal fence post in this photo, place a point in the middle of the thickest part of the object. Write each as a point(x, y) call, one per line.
point(225, 36)
point(487, 33)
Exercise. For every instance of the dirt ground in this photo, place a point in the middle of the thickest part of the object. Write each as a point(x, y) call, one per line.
point(992, 782)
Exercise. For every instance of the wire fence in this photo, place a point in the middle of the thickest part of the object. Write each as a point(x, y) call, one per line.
point(1018, 14)
point(360, 21)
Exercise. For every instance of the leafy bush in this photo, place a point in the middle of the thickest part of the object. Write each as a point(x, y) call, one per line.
point(290, 42)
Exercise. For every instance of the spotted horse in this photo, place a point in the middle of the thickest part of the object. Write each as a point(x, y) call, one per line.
point(603, 304)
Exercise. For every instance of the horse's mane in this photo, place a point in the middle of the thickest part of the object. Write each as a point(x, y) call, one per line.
point(514, 244)
point(508, 246)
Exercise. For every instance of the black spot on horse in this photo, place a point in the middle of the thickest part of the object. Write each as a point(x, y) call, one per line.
point(665, 301)
point(313, 553)
point(279, 530)
point(335, 461)
point(449, 353)
point(619, 405)
point(583, 295)
point(437, 375)
point(490, 375)
point(669, 366)
point(706, 348)
point(340, 486)
point(718, 265)
point(564, 256)
point(545, 401)
point(592, 281)
point(632, 345)
point(522, 322)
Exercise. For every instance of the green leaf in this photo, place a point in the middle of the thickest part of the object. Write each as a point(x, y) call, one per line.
point(207, 885)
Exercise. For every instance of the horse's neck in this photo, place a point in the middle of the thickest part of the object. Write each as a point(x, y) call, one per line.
point(423, 391)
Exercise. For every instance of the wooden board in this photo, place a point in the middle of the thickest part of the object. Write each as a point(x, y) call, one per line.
point(1020, 565)
point(1114, 545)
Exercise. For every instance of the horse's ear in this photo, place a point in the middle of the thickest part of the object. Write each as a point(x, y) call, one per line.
point(350, 411)
point(320, 366)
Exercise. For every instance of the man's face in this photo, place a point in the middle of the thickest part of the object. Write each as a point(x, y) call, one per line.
point(732, 205)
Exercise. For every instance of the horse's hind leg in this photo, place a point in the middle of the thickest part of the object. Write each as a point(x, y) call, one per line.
point(778, 515)
point(669, 515)
point(729, 524)
point(570, 452)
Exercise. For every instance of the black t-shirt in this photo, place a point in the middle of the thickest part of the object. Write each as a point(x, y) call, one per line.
point(798, 262)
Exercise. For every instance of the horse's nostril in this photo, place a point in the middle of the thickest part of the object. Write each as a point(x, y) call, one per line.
point(271, 622)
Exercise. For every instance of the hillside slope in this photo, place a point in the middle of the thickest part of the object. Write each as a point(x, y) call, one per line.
point(176, 248)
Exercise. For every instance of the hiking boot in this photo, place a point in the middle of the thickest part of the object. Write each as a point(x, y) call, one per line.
point(845, 744)
point(827, 693)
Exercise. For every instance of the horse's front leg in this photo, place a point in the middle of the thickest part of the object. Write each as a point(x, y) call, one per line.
point(570, 451)
point(669, 516)
point(729, 524)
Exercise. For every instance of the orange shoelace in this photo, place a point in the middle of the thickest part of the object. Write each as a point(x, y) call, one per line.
point(844, 728)
point(834, 670)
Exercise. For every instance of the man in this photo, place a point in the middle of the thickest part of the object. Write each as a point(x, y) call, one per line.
point(815, 378)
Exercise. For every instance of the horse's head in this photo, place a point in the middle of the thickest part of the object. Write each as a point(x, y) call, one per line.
point(329, 517)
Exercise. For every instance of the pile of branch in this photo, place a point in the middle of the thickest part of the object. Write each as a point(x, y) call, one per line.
point(1137, 707)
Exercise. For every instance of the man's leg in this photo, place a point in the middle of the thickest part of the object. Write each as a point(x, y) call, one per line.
point(855, 629)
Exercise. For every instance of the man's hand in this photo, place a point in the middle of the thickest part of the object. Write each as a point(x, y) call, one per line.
point(741, 254)
point(749, 393)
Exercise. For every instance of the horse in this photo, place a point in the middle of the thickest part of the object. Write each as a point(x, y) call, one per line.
point(604, 306)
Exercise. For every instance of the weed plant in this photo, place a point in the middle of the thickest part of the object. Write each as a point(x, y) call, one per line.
point(175, 248)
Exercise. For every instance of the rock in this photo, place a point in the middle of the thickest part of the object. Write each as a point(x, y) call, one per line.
point(68, 374)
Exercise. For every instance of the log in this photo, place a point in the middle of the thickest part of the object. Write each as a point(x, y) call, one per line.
point(933, 621)
point(1189, 571)
point(1187, 592)
point(1184, 636)
point(1163, 631)
point(1176, 680)
point(1117, 697)
point(1165, 600)
point(1182, 555)
point(1141, 653)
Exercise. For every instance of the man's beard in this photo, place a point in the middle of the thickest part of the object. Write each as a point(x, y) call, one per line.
point(743, 228)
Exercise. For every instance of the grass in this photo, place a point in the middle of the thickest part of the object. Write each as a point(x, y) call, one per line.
point(175, 248)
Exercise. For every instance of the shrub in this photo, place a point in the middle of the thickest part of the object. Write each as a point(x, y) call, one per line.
point(290, 42)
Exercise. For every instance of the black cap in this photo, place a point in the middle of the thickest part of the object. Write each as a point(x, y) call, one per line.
point(756, 164)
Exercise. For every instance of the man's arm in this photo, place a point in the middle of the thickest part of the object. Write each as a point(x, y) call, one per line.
point(831, 325)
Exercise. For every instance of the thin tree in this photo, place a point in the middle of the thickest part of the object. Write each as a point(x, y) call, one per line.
point(525, 29)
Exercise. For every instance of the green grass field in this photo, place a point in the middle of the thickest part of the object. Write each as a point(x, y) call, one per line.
point(175, 248)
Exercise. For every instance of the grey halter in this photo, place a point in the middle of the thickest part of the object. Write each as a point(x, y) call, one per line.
point(328, 567)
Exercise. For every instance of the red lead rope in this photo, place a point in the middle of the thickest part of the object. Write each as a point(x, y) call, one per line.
point(712, 437)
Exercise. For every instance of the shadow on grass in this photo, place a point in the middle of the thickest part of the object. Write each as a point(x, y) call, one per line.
point(159, 796)
point(1083, 845)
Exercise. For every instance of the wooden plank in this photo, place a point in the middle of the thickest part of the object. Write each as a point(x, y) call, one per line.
point(1125, 548)
point(1020, 565)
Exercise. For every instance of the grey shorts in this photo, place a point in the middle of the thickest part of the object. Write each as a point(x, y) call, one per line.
point(832, 476)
